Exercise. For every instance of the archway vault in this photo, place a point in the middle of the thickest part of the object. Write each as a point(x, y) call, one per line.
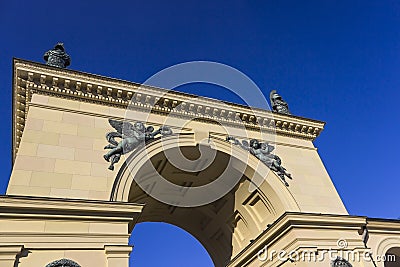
point(224, 226)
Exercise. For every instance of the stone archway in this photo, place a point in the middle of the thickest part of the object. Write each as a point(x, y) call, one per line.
point(224, 226)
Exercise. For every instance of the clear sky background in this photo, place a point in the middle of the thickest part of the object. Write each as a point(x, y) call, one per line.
point(336, 61)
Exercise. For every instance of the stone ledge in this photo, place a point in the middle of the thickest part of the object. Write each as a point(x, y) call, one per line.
point(53, 208)
point(34, 78)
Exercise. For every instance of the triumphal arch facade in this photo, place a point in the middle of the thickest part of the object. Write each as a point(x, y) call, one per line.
point(84, 174)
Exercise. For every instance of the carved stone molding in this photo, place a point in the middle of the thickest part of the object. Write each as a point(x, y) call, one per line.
point(34, 78)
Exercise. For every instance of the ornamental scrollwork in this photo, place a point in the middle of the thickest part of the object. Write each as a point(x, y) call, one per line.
point(262, 151)
point(131, 137)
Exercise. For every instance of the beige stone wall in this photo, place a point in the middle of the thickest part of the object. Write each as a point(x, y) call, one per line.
point(61, 117)
point(311, 185)
point(37, 231)
point(60, 154)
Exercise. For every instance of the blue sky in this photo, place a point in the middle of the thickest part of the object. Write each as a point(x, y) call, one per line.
point(336, 61)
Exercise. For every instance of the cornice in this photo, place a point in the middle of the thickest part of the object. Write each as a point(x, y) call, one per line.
point(293, 220)
point(34, 78)
point(383, 225)
point(40, 207)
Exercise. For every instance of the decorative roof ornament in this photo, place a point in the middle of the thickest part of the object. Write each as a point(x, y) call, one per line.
point(278, 104)
point(57, 57)
point(262, 151)
point(132, 136)
point(63, 263)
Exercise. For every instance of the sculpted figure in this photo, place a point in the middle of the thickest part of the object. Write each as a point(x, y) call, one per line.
point(132, 136)
point(262, 151)
point(57, 57)
point(278, 104)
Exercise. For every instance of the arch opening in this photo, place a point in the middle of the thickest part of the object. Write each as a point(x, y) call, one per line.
point(223, 226)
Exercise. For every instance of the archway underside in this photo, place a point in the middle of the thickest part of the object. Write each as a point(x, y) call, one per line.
point(224, 226)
